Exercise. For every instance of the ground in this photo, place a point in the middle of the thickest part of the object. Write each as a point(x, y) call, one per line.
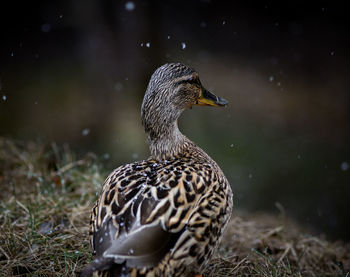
point(46, 195)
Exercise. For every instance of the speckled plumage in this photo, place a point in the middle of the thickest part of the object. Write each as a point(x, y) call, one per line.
point(163, 216)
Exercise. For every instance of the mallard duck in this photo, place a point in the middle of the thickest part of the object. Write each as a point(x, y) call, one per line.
point(163, 216)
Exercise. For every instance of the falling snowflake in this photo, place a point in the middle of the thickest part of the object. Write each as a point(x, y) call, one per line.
point(344, 166)
point(129, 6)
point(85, 132)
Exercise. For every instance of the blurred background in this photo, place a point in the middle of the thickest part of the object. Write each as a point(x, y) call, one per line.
point(75, 72)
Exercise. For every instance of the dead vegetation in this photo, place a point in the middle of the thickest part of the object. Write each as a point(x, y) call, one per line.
point(46, 195)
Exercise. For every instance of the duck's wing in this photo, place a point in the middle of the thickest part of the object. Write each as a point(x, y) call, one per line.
point(142, 247)
point(130, 222)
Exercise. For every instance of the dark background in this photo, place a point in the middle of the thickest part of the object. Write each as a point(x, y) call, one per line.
point(75, 72)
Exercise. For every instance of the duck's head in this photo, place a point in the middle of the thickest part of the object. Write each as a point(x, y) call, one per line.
point(172, 89)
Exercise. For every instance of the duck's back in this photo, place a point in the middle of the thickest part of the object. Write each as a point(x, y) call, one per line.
point(160, 216)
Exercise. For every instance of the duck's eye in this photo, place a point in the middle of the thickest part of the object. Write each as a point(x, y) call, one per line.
point(192, 80)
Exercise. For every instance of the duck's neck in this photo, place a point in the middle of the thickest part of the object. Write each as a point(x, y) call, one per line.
point(167, 141)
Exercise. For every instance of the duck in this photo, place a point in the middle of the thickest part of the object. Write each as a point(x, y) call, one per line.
point(163, 216)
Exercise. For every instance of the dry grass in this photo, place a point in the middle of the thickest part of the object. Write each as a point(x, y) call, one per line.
point(265, 245)
point(45, 199)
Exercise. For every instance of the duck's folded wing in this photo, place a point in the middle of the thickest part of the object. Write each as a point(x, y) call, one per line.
point(143, 246)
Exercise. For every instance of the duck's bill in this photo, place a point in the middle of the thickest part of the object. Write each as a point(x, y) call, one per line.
point(209, 99)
